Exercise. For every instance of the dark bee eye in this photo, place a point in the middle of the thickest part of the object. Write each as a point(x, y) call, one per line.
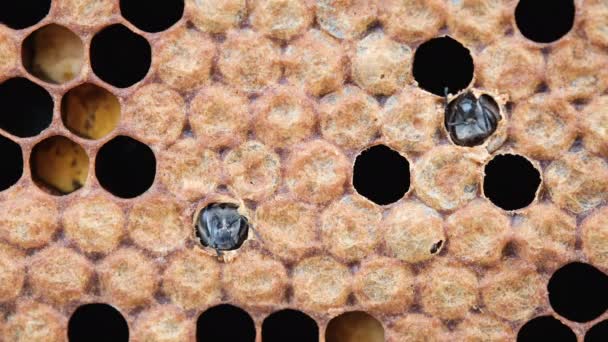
point(208, 227)
point(470, 120)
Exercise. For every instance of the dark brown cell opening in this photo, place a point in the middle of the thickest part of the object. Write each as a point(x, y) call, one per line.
point(544, 21)
point(225, 322)
point(90, 111)
point(119, 56)
point(354, 326)
point(97, 322)
point(381, 174)
point(125, 167)
point(27, 108)
point(579, 292)
point(598, 332)
point(511, 181)
point(152, 16)
point(290, 325)
point(21, 14)
point(545, 328)
point(12, 163)
point(442, 64)
point(53, 54)
point(59, 165)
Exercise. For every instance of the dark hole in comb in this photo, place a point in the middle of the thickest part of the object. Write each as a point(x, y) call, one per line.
point(152, 16)
point(125, 167)
point(544, 21)
point(443, 63)
point(289, 325)
point(27, 108)
point(578, 292)
point(12, 163)
point(545, 328)
point(511, 181)
point(225, 322)
point(21, 14)
point(97, 323)
point(381, 174)
point(598, 332)
point(119, 56)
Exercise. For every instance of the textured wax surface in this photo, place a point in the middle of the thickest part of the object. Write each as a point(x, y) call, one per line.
point(266, 104)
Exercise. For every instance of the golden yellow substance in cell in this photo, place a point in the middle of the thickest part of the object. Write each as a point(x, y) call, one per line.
point(90, 111)
point(60, 164)
point(354, 326)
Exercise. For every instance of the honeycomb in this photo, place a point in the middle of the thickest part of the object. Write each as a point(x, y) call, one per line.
point(121, 120)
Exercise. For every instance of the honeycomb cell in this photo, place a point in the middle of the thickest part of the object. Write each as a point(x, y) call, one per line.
point(189, 170)
point(577, 70)
point(216, 16)
point(316, 172)
point(185, 58)
point(163, 323)
point(511, 181)
point(248, 61)
point(512, 68)
point(9, 52)
point(410, 120)
point(219, 117)
point(513, 291)
point(59, 275)
point(156, 114)
point(534, 23)
point(283, 116)
point(597, 332)
point(33, 219)
point(192, 279)
point(320, 283)
point(594, 126)
point(315, 62)
point(287, 227)
point(95, 224)
point(17, 15)
point(547, 235)
point(411, 21)
point(157, 225)
point(254, 170)
point(414, 327)
point(289, 325)
point(127, 278)
point(546, 327)
point(53, 54)
point(97, 321)
point(384, 285)
point(354, 326)
point(281, 19)
point(154, 16)
point(596, 19)
point(34, 321)
point(12, 158)
point(211, 324)
point(448, 291)
point(12, 272)
point(594, 235)
point(478, 328)
point(86, 13)
point(25, 118)
point(119, 56)
point(478, 232)
point(349, 117)
point(380, 65)
point(348, 228)
point(255, 279)
point(346, 19)
point(491, 20)
point(543, 126)
point(577, 181)
point(413, 232)
point(90, 111)
point(446, 178)
point(59, 165)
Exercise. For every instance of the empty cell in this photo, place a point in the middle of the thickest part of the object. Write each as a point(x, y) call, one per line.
point(289, 325)
point(544, 21)
point(97, 322)
point(12, 163)
point(597, 333)
point(225, 322)
point(27, 108)
point(90, 111)
point(152, 16)
point(53, 54)
point(545, 328)
point(21, 14)
point(511, 181)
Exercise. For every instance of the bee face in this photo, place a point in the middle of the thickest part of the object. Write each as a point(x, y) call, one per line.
point(470, 120)
point(220, 226)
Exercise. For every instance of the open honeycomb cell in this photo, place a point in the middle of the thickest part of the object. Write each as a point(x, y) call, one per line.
point(123, 122)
